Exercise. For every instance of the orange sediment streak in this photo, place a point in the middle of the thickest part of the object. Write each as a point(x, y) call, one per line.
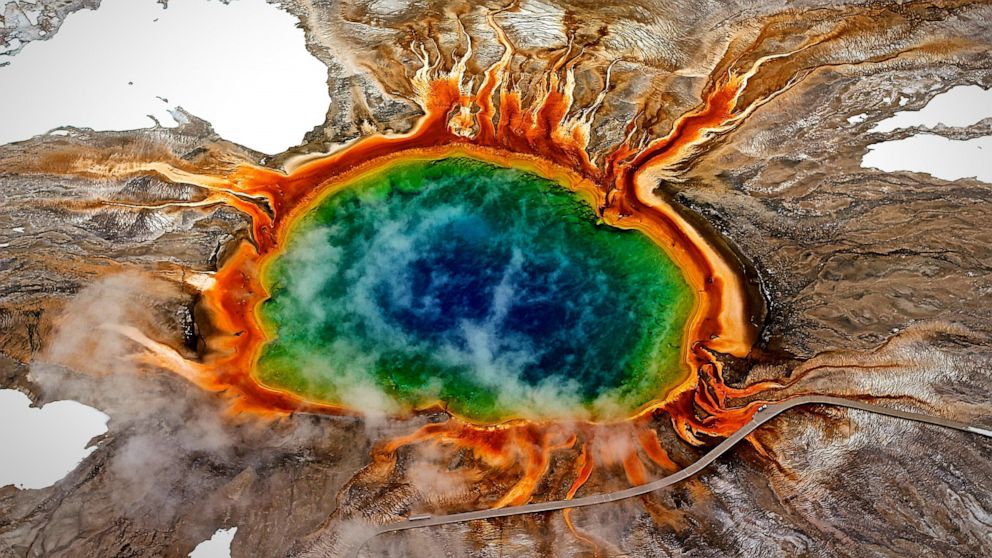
point(585, 471)
point(501, 447)
point(652, 447)
point(536, 460)
point(633, 467)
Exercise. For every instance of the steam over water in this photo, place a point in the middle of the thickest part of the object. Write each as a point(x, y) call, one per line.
point(488, 288)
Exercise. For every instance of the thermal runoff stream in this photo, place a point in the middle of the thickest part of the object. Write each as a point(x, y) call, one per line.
point(491, 291)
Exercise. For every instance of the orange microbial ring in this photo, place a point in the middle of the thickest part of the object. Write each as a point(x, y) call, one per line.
point(546, 137)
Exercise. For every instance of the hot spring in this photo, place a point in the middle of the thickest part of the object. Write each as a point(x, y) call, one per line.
point(489, 291)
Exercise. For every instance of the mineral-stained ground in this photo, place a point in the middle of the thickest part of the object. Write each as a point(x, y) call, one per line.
point(876, 286)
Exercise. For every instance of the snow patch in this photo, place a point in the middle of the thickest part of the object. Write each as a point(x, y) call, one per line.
point(42, 445)
point(242, 67)
point(217, 546)
point(935, 155)
point(957, 107)
point(858, 118)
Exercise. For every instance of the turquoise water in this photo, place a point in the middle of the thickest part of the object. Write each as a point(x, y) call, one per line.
point(490, 289)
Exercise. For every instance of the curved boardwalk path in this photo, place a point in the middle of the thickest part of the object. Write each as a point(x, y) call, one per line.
point(767, 413)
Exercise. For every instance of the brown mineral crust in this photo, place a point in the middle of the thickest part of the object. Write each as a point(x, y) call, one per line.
point(872, 252)
point(876, 283)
